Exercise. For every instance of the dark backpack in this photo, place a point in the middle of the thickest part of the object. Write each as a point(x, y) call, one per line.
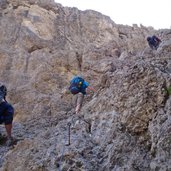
point(156, 41)
point(76, 85)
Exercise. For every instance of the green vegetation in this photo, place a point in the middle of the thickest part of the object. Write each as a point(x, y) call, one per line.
point(168, 89)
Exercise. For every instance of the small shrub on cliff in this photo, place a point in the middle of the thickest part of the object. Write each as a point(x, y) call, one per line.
point(168, 89)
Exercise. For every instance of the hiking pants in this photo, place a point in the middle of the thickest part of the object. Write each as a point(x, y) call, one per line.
point(79, 99)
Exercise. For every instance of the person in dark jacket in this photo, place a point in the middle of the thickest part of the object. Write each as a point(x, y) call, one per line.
point(153, 42)
point(6, 114)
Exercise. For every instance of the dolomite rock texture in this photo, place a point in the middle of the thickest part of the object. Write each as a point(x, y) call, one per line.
point(125, 125)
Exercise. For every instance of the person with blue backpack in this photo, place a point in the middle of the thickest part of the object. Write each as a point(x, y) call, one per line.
point(6, 114)
point(78, 87)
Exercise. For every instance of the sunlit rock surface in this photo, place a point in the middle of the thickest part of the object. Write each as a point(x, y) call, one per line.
point(125, 125)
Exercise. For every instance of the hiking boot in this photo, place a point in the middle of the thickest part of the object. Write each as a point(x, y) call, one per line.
point(10, 142)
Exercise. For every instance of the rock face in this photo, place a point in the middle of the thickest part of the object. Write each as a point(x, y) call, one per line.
point(123, 126)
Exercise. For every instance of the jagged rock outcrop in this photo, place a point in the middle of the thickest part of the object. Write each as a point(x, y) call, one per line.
point(42, 46)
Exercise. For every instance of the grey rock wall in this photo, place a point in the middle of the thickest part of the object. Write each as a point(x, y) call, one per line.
point(123, 126)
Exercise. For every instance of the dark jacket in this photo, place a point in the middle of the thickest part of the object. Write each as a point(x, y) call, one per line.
point(153, 42)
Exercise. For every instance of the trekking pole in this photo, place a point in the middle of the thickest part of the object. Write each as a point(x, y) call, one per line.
point(69, 133)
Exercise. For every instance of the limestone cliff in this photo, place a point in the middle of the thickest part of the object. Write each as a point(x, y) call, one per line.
point(42, 46)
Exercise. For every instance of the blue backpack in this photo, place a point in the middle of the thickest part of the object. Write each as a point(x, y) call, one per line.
point(76, 85)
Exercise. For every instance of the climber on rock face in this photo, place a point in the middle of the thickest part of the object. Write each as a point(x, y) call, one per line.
point(78, 87)
point(153, 42)
point(6, 114)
